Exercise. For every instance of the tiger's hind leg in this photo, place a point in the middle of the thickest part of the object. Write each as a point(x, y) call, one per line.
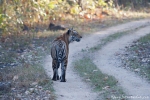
point(55, 66)
point(63, 71)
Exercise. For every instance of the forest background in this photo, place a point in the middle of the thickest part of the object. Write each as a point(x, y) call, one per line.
point(18, 15)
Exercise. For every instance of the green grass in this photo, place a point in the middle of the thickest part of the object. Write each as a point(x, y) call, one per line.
point(145, 39)
point(144, 70)
point(99, 81)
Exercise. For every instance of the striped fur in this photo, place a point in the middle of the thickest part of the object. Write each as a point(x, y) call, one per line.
point(60, 51)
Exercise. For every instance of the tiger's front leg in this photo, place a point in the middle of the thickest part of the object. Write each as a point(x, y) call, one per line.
point(63, 71)
point(55, 66)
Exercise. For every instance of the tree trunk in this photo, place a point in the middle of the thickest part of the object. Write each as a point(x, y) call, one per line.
point(116, 3)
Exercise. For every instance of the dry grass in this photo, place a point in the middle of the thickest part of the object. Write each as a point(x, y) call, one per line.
point(21, 65)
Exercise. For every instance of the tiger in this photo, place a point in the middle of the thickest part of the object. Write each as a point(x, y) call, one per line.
point(60, 51)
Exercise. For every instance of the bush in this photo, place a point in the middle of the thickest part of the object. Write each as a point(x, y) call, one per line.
point(17, 13)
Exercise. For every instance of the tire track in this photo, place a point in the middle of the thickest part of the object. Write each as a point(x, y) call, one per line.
point(107, 62)
point(75, 88)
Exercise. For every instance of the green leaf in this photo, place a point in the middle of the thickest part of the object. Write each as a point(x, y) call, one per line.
point(75, 10)
point(52, 4)
point(102, 3)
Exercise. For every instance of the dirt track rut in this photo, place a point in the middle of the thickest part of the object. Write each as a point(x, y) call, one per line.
point(75, 88)
point(107, 61)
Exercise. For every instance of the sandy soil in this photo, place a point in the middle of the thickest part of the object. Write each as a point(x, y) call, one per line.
point(107, 62)
point(76, 89)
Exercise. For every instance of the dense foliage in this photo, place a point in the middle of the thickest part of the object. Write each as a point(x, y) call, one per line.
point(14, 14)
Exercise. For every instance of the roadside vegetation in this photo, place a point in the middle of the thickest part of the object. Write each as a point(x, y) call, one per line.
point(137, 57)
point(26, 35)
point(22, 75)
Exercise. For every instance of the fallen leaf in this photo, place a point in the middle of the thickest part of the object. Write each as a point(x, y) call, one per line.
point(15, 78)
point(106, 87)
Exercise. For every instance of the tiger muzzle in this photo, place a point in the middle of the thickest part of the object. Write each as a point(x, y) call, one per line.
point(78, 39)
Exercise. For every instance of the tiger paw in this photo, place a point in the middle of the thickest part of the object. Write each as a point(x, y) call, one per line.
point(57, 77)
point(63, 80)
point(54, 79)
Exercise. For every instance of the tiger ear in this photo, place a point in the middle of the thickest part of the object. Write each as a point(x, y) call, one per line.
point(70, 29)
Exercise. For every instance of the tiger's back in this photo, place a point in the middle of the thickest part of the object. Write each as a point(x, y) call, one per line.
point(59, 50)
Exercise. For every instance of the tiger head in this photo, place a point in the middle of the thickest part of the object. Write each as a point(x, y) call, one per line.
point(73, 35)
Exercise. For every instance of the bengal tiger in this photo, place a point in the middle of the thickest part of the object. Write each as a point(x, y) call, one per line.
point(60, 51)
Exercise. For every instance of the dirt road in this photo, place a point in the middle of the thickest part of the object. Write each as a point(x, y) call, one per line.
point(76, 89)
point(108, 63)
